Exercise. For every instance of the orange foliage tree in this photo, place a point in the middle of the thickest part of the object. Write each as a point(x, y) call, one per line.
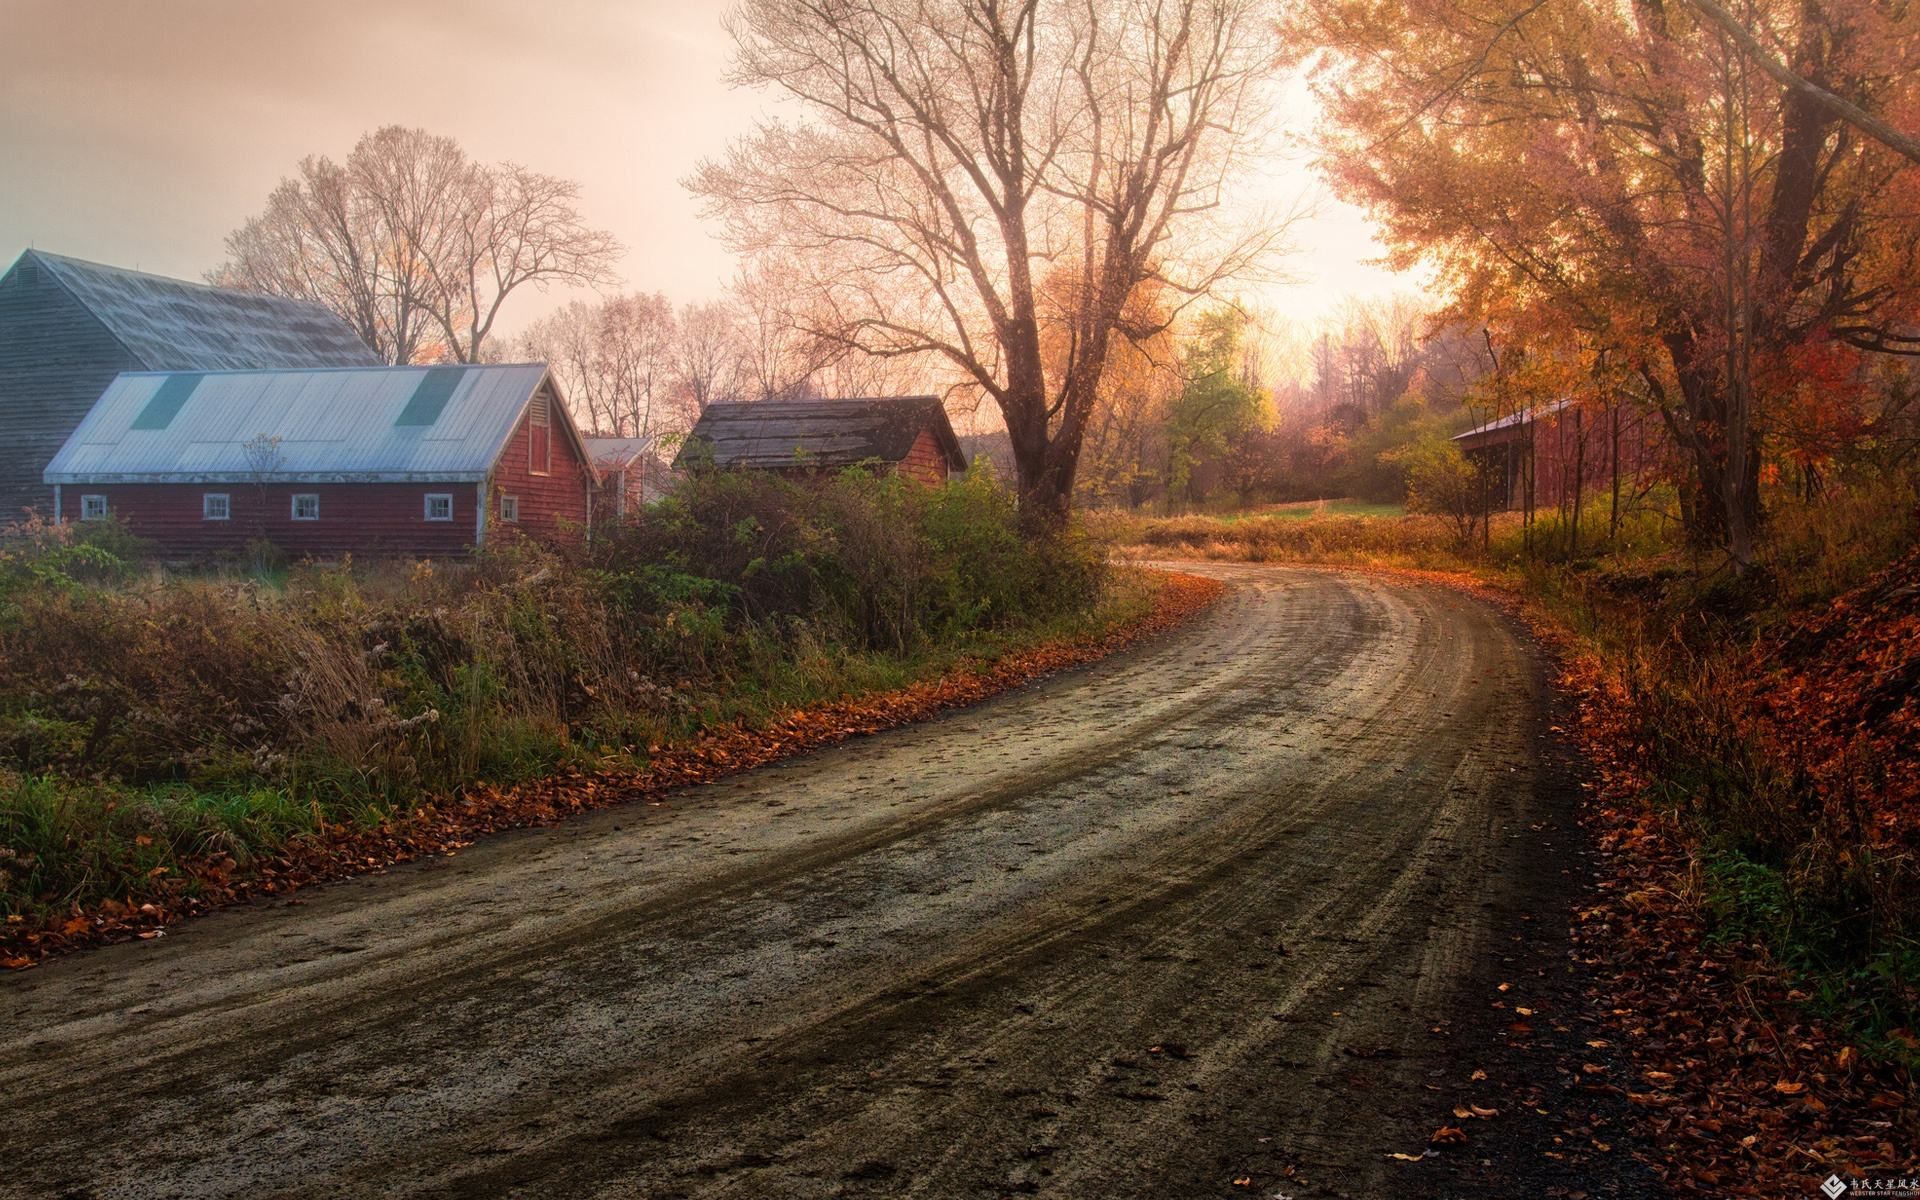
point(1626, 180)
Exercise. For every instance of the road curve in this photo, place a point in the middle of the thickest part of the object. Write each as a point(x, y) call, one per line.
point(1182, 918)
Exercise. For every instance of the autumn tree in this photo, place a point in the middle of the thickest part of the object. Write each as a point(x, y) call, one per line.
point(1627, 181)
point(952, 153)
point(414, 244)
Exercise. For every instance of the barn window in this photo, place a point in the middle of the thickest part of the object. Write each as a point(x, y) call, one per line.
point(306, 506)
point(93, 508)
point(509, 508)
point(215, 506)
point(439, 506)
point(539, 434)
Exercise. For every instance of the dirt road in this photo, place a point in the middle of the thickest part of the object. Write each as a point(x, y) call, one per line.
point(1187, 917)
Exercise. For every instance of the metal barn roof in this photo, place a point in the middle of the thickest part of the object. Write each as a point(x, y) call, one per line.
point(820, 433)
point(1511, 421)
point(617, 453)
point(172, 325)
point(439, 424)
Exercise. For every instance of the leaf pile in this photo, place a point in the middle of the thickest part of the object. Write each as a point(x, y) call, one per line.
point(1840, 695)
point(1739, 1091)
point(446, 825)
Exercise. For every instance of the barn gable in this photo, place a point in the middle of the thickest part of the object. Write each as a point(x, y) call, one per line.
point(781, 434)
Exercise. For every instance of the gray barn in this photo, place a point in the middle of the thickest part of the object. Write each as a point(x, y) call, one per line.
point(68, 327)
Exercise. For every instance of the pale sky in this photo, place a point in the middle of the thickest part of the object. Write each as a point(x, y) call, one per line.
point(139, 132)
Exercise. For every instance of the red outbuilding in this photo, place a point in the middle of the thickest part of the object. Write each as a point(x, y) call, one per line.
point(408, 461)
point(1561, 453)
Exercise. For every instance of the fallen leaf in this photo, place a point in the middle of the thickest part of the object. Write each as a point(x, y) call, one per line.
point(1448, 1135)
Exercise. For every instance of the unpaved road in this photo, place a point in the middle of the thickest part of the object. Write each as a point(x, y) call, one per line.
point(1184, 917)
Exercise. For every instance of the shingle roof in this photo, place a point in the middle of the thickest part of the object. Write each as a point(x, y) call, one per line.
point(173, 325)
point(417, 424)
point(818, 433)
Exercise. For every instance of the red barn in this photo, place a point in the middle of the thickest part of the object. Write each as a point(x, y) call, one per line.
point(412, 461)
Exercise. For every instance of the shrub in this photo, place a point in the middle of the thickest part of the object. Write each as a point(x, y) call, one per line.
point(221, 707)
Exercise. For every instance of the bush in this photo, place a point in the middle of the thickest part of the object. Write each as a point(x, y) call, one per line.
point(218, 707)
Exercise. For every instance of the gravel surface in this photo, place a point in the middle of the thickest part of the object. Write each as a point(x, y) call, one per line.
point(1188, 917)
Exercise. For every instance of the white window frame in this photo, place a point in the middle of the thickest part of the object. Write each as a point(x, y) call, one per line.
point(439, 497)
point(294, 510)
point(509, 508)
point(93, 507)
point(208, 505)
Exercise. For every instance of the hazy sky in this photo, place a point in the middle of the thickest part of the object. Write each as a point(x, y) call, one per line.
point(139, 132)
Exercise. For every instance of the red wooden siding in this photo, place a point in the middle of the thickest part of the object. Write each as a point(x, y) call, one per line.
point(1572, 453)
point(924, 461)
point(553, 506)
point(355, 518)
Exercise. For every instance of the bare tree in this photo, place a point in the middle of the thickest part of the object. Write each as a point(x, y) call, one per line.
point(958, 150)
point(616, 360)
point(708, 355)
point(415, 245)
point(323, 237)
point(780, 354)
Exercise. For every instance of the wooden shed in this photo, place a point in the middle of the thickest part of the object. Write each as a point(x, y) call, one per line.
point(909, 434)
point(68, 327)
point(1554, 454)
point(413, 461)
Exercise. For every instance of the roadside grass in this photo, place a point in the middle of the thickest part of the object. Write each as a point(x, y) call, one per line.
point(1305, 536)
point(1759, 710)
point(148, 720)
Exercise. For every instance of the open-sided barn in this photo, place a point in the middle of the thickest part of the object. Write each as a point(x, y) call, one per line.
point(1554, 454)
point(68, 327)
point(911, 434)
point(389, 460)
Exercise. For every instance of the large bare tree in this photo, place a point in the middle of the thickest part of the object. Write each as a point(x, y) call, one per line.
point(956, 152)
point(416, 245)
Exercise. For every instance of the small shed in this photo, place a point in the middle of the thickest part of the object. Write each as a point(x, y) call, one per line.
point(910, 434)
point(627, 474)
point(67, 327)
point(414, 461)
